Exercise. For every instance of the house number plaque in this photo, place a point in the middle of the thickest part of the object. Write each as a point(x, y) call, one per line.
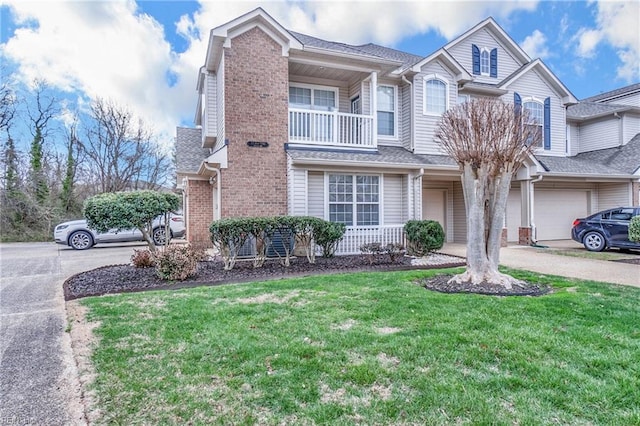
point(255, 144)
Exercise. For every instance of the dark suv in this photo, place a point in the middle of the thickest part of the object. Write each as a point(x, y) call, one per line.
point(608, 228)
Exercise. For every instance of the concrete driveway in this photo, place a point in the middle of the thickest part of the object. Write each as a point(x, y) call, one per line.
point(545, 262)
point(38, 378)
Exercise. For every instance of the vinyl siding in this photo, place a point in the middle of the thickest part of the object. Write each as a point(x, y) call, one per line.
point(574, 139)
point(599, 134)
point(507, 64)
point(425, 125)
point(298, 192)
point(459, 214)
point(532, 85)
point(630, 126)
point(405, 125)
point(220, 114)
point(632, 99)
point(394, 199)
point(315, 197)
point(612, 195)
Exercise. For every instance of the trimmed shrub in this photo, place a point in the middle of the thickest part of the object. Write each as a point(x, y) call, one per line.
point(328, 235)
point(142, 259)
point(177, 262)
point(373, 250)
point(634, 229)
point(423, 236)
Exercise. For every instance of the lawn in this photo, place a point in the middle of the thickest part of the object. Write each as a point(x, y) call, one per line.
point(369, 348)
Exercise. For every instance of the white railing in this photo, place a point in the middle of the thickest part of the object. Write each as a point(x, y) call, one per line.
point(357, 236)
point(330, 128)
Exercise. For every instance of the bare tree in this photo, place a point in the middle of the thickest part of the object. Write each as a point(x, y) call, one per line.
point(489, 140)
point(120, 150)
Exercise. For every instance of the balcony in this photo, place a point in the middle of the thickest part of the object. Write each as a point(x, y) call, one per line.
point(331, 128)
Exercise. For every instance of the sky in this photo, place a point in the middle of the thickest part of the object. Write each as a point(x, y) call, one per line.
point(145, 55)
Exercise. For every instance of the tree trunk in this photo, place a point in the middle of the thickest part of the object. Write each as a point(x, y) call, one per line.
point(486, 200)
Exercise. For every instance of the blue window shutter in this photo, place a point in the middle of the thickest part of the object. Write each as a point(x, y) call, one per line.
point(475, 54)
point(493, 64)
point(547, 123)
point(517, 103)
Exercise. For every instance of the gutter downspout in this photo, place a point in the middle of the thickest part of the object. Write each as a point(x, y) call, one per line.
point(218, 188)
point(534, 229)
point(415, 204)
point(411, 138)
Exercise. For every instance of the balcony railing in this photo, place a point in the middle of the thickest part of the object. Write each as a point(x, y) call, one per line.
point(330, 128)
point(357, 236)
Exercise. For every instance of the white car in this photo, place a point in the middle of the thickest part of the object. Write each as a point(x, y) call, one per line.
point(79, 236)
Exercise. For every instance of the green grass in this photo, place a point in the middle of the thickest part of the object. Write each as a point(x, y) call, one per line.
point(610, 254)
point(371, 348)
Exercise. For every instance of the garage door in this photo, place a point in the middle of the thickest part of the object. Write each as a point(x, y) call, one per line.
point(555, 211)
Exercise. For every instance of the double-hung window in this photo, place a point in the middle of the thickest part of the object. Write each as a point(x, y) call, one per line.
point(535, 120)
point(436, 95)
point(307, 125)
point(354, 199)
point(386, 109)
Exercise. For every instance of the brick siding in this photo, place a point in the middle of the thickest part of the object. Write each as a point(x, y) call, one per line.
point(200, 209)
point(256, 109)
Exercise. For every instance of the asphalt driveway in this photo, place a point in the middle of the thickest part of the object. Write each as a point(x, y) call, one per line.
point(38, 377)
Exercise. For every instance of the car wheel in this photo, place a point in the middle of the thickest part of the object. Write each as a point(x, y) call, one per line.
point(594, 241)
point(81, 240)
point(159, 236)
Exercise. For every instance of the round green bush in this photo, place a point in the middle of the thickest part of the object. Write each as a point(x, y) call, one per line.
point(423, 236)
point(634, 229)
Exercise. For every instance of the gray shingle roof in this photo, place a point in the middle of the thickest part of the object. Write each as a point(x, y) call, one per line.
point(308, 40)
point(385, 156)
point(610, 161)
point(189, 151)
point(585, 109)
point(613, 93)
point(393, 54)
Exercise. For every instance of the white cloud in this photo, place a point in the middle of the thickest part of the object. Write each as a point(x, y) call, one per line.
point(617, 24)
point(536, 45)
point(100, 49)
point(587, 42)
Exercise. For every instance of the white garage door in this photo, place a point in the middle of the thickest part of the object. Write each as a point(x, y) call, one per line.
point(555, 211)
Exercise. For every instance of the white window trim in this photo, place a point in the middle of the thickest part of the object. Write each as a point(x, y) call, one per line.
point(483, 50)
point(354, 203)
point(533, 99)
point(315, 86)
point(424, 93)
point(395, 113)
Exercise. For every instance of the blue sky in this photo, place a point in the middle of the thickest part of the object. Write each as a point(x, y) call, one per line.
point(146, 54)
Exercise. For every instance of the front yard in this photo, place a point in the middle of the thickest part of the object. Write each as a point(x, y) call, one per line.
point(370, 348)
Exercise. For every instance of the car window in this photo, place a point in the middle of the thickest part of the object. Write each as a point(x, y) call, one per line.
point(620, 214)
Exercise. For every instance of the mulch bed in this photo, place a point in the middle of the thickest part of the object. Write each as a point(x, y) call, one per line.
point(126, 279)
point(440, 283)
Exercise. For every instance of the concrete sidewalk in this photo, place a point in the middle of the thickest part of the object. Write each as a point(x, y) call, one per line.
point(545, 262)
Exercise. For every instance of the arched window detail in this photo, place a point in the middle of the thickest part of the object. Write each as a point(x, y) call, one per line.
point(535, 110)
point(484, 62)
point(436, 95)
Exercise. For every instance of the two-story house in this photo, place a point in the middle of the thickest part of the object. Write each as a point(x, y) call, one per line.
point(292, 124)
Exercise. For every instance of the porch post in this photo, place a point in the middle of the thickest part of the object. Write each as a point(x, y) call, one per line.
point(524, 231)
point(374, 107)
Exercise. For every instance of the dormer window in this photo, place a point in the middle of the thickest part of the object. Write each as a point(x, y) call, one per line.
point(484, 61)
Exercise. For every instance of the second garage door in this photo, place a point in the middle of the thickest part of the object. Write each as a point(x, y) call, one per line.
point(555, 211)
